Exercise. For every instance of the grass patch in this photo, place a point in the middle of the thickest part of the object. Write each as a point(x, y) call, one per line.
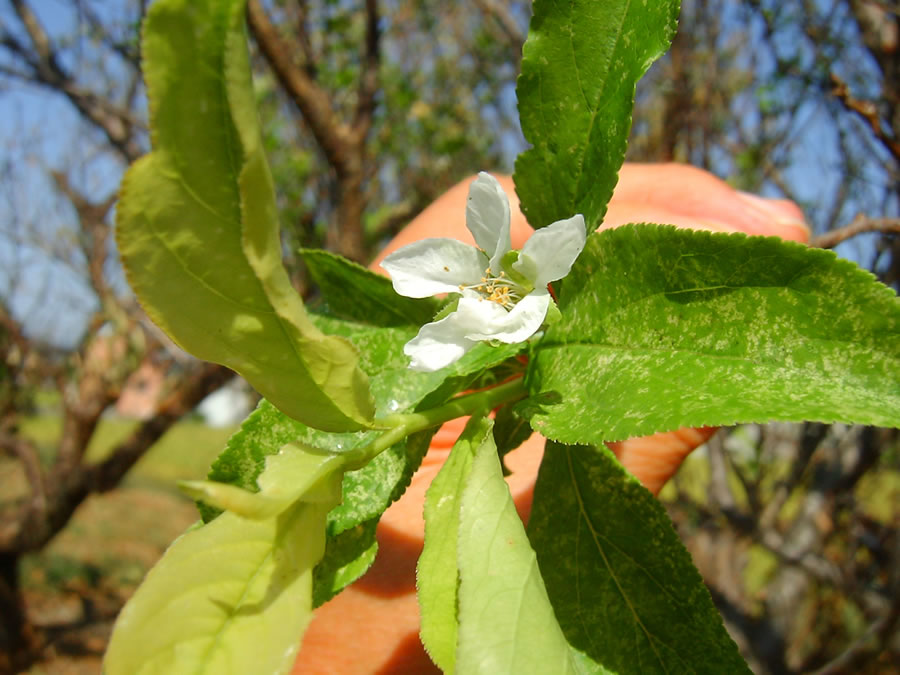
point(184, 452)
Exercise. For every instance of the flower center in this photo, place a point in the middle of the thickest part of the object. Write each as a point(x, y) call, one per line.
point(500, 289)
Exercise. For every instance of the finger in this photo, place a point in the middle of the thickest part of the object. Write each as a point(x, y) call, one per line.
point(446, 217)
point(686, 192)
point(653, 460)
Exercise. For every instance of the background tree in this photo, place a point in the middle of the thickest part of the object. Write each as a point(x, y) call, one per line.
point(370, 110)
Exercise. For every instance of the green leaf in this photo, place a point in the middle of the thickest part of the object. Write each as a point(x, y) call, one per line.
point(367, 492)
point(370, 490)
point(506, 622)
point(352, 292)
point(437, 574)
point(197, 227)
point(622, 585)
point(664, 328)
point(348, 556)
point(294, 472)
point(580, 64)
point(233, 596)
point(510, 430)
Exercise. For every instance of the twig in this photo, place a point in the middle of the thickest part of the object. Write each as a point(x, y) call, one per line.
point(860, 224)
point(66, 491)
point(116, 124)
point(868, 111)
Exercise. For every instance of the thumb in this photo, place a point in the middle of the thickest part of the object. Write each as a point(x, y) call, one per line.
point(654, 459)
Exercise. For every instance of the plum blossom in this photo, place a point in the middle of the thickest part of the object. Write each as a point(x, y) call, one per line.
point(502, 293)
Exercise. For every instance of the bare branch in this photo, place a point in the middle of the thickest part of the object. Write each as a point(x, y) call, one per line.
point(309, 56)
point(868, 111)
point(869, 644)
point(116, 124)
point(31, 464)
point(313, 102)
point(368, 81)
point(860, 224)
point(92, 218)
point(205, 380)
point(66, 491)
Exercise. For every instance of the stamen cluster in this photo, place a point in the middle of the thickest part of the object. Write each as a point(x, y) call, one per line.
point(499, 289)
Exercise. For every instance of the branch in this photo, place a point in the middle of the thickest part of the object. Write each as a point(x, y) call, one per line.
point(92, 219)
point(66, 491)
point(116, 124)
point(313, 101)
point(208, 378)
point(860, 224)
point(309, 55)
point(368, 81)
point(34, 474)
point(868, 111)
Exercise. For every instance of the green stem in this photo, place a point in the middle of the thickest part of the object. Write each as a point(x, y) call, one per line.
point(403, 425)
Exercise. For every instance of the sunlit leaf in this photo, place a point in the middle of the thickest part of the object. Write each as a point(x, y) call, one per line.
point(197, 227)
point(506, 623)
point(437, 575)
point(289, 475)
point(228, 598)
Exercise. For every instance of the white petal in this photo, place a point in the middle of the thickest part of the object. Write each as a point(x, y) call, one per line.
point(476, 316)
point(431, 266)
point(549, 253)
point(487, 217)
point(437, 344)
point(519, 324)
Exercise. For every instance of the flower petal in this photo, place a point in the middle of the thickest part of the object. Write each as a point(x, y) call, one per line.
point(549, 253)
point(438, 344)
point(517, 325)
point(487, 217)
point(431, 266)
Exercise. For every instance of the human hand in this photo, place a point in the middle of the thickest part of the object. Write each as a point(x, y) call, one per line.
point(372, 626)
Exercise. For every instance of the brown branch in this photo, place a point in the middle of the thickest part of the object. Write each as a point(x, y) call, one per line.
point(309, 56)
point(92, 219)
point(313, 101)
point(66, 490)
point(13, 330)
point(208, 378)
point(31, 464)
point(368, 81)
point(868, 111)
point(343, 145)
point(859, 225)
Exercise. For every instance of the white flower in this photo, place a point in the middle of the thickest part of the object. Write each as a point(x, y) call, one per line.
point(504, 294)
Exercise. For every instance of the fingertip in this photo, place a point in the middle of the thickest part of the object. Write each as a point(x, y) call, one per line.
point(784, 218)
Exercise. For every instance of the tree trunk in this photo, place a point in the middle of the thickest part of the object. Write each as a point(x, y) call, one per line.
point(18, 640)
